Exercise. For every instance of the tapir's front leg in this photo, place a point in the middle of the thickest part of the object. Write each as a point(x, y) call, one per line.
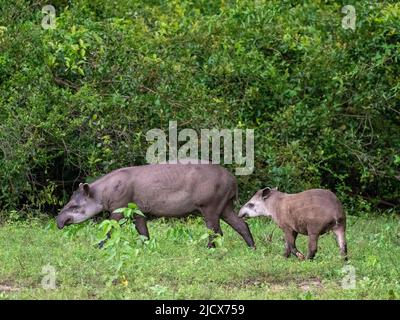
point(116, 217)
point(140, 224)
point(290, 244)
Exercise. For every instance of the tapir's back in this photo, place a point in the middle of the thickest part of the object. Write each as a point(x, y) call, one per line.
point(314, 207)
point(176, 189)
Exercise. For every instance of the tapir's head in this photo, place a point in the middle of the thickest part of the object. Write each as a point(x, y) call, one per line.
point(257, 205)
point(80, 207)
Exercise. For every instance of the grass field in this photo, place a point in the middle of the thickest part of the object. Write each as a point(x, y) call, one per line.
point(175, 263)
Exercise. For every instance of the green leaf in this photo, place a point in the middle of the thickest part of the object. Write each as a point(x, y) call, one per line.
point(397, 159)
point(114, 224)
point(128, 213)
point(80, 71)
point(139, 213)
point(132, 205)
point(204, 236)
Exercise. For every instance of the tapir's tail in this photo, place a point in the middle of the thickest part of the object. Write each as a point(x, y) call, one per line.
point(236, 192)
point(235, 197)
point(340, 222)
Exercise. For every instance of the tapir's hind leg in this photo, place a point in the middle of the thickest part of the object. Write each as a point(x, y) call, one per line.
point(238, 224)
point(341, 240)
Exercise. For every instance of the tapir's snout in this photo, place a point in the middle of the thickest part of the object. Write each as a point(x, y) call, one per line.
point(63, 220)
point(249, 210)
point(243, 213)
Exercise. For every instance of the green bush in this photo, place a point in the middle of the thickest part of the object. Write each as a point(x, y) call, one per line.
point(77, 100)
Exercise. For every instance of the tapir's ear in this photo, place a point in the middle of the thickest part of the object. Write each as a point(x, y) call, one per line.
point(266, 192)
point(86, 188)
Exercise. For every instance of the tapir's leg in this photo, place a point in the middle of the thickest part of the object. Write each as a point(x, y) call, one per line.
point(290, 244)
point(116, 217)
point(141, 226)
point(239, 225)
point(341, 240)
point(312, 245)
point(212, 223)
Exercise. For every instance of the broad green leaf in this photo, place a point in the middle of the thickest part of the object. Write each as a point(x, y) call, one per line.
point(132, 205)
point(139, 213)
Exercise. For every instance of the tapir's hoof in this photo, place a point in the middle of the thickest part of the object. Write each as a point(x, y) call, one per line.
point(300, 255)
point(101, 244)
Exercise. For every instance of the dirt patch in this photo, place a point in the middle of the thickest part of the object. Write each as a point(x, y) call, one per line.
point(277, 287)
point(259, 281)
point(8, 287)
point(277, 284)
point(312, 283)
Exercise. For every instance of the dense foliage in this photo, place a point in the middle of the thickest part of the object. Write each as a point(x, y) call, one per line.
point(77, 100)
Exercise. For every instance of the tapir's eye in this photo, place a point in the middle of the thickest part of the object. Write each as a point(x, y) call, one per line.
point(74, 208)
point(250, 205)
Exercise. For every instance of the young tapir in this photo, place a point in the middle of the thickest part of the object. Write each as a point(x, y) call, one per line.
point(161, 190)
point(312, 212)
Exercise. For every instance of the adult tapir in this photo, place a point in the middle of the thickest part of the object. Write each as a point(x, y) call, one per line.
point(161, 190)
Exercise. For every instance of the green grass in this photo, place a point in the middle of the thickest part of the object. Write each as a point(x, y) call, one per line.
point(175, 264)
